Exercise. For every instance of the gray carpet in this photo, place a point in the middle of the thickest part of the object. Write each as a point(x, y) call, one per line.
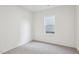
point(41, 48)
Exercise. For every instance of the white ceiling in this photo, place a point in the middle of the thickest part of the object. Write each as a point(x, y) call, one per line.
point(35, 8)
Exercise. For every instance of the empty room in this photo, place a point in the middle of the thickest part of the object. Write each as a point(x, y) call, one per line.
point(39, 29)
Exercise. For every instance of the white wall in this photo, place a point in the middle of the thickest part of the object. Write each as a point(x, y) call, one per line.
point(77, 27)
point(65, 28)
point(15, 27)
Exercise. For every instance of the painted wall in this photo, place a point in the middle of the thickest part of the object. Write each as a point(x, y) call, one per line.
point(77, 27)
point(15, 27)
point(65, 28)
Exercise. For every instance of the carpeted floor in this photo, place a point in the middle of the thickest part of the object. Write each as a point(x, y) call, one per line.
point(41, 48)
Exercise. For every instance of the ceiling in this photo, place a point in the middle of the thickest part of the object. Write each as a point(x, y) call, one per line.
point(35, 8)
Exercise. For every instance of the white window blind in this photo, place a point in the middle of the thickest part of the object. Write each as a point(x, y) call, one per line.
point(49, 24)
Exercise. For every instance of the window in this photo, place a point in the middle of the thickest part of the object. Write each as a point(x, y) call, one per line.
point(49, 24)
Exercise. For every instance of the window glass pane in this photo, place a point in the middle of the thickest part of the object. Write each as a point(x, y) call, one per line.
point(49, 24)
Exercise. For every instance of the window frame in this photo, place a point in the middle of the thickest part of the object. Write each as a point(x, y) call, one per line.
point(53, 24)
